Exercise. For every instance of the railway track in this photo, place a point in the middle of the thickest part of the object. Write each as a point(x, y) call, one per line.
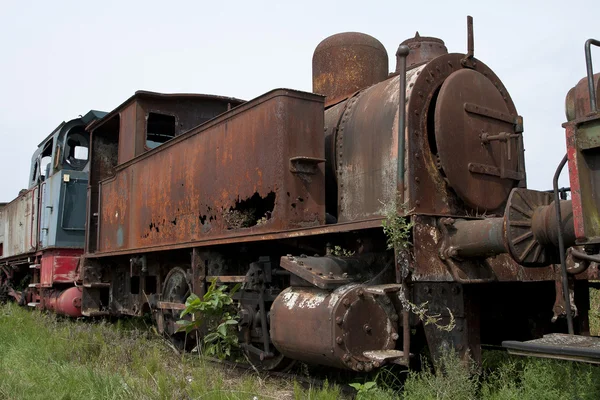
point(307, 382)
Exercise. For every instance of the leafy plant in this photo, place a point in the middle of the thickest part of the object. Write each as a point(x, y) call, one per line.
point(338, 251)
point(215, 311)
point(363, 388)
point(396, 227)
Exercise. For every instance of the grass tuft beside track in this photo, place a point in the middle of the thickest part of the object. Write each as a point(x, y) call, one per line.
point(47, 357)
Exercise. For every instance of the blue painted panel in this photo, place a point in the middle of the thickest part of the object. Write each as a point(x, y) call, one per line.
point(64, 205)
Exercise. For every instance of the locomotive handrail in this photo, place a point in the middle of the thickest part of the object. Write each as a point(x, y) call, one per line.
point(561, 246)
point(590, 72)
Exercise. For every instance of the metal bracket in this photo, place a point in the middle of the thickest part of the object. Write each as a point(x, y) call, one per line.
point(324, 272)
point(305, 165)
point(495, 171)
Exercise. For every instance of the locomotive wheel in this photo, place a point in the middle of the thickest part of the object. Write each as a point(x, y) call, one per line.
point(176, 289)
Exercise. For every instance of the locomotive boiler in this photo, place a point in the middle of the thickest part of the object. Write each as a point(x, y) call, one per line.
point(342, 212)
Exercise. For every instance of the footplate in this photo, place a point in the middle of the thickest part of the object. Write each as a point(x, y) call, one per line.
point(559, 346)
point(386, 357)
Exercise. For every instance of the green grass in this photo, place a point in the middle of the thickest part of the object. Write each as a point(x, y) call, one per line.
point(594, 312)
point(47, 357)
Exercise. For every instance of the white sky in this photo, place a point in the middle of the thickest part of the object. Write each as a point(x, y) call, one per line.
point(60, 59)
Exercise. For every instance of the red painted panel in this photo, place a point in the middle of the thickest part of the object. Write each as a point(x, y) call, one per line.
point(572, 155)
point(60, 266)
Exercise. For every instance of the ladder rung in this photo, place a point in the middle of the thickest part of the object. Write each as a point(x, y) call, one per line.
point(96, 285)
point(34, 285)
point(34, 266)
point(33, 304)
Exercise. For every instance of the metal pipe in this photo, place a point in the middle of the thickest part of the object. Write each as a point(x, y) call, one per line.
point(561, 246)
point(476, 238)
point(583, 260)
point(406, 336)
point(263, 320)
point(590, 72)
point(470, 39)
point(401, 55)
point(583, 256)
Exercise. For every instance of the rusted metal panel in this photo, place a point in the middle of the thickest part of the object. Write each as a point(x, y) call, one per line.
point(428, 191)
point(366, 151)
point(127, 133)
point(469, 114)
point(230, 177)
point(583, 151)
point(21, 224)
point(249, 237)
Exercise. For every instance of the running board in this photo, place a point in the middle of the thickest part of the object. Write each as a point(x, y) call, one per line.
point(559, 346)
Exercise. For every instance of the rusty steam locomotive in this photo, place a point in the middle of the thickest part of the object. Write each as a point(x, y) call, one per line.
point(287, 193)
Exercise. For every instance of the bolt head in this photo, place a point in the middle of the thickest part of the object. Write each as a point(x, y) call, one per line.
point(346, 302)
point(339, 320)
point(395, 336)
point(339, 340)
point(366, 328)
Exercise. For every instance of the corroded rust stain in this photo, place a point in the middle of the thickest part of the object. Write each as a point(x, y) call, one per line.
point(228, 177)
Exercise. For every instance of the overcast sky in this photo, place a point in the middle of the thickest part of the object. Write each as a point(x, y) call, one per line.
point(60, 59)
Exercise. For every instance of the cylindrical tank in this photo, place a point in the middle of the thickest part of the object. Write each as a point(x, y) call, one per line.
point(347, 62)
point(333, 328)
point(64, 302)
point(422, 50)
